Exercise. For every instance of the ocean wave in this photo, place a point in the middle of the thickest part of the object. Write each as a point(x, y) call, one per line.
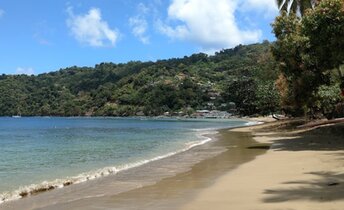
point(253, 123)
point(45, 186)
point(204, 129)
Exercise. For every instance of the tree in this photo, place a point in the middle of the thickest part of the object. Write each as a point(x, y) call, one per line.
point(307, 50)
point(288, 52)
point(324, 29)
point(327, 97)
point(243, 93)
point(267, 97)
point(151, 87)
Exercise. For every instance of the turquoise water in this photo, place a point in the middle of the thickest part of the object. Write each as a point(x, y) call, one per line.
point(38, 152)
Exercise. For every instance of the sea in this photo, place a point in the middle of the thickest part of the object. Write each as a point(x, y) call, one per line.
point(43, 153)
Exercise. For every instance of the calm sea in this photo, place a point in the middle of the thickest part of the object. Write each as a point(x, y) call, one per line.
point(43, 152)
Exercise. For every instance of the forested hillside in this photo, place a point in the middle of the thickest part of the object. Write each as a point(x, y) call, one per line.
point(240, 79)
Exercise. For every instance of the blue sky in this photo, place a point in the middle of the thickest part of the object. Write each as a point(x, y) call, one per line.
point(40, 36)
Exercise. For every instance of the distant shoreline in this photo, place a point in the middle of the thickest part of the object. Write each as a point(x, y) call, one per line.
point(133, 116)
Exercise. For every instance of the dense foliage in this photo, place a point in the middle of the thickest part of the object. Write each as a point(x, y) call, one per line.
point(309, 52)
point(243, 76)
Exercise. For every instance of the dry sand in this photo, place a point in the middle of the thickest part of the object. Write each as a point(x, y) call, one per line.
point(304, 169)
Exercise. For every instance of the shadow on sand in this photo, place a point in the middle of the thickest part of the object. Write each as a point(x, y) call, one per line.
point(330, 138)
point(326, 186)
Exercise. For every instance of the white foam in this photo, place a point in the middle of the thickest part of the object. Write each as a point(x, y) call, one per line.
point(83, 177)
point(202, 135)
point(204, 129)
point(253, 123)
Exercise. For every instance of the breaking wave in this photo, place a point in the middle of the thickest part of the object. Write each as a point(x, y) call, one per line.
point(45, 186)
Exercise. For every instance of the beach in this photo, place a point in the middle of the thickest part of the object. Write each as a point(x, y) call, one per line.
point(304, 169)
point(269, 166)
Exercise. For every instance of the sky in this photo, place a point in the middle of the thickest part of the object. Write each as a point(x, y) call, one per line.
point(40, 36)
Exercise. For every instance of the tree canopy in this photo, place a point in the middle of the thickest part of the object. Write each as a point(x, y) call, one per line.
point(309, 55)
point(194, 82)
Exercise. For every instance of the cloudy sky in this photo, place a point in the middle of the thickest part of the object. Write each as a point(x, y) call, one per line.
point(40, 36)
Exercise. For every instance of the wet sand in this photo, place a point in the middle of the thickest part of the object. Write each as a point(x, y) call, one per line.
point(165, 184)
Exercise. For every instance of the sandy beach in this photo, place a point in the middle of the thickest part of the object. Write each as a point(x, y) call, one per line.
point(304, 169)
point(269, 166)
point(164, 184)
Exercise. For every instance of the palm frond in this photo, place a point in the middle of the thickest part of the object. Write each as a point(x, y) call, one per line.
point(294, 6)
point(280, 3)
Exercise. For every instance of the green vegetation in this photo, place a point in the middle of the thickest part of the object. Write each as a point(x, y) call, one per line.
point(301, 74)
point(309, 52)
point(243, 76)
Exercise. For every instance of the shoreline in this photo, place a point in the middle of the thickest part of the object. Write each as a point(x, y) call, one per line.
point(46, 186)
point(49, 185)
point(27, 200)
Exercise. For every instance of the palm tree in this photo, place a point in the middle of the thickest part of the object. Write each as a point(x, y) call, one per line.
point(296, 6)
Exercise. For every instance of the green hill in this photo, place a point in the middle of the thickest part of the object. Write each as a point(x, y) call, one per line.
point(243, 76)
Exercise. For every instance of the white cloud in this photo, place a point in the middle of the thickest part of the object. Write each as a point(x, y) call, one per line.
point(142, 9)
point(139, 24)
point(23, 70)
point(139, 28)
point(267, 7)
point(91, 29)
point(210, 24)
point(2, 13)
